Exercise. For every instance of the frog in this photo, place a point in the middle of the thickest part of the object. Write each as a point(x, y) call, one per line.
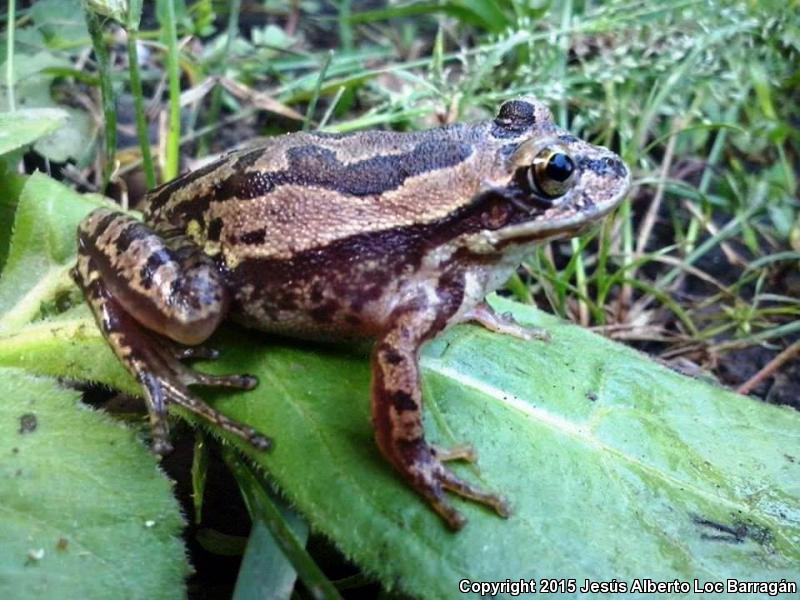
point(385, 236)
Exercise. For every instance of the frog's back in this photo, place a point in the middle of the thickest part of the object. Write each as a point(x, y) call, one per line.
point(304, 190)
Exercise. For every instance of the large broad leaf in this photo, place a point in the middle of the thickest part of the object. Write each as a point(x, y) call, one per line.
point(615, 466)
point(42, 249)
point(23, 127)
point(84, 510)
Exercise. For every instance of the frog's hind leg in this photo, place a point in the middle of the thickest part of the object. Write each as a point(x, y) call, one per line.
point(135, 297)
point(397, 417)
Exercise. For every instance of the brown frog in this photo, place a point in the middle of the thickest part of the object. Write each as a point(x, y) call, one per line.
point(381, 235)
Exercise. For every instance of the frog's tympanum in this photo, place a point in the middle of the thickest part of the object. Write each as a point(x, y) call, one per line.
point(380, 235)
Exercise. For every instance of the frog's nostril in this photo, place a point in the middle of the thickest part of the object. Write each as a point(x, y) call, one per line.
point(614, 165)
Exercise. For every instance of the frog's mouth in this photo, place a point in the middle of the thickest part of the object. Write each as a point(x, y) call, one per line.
point(564, 220)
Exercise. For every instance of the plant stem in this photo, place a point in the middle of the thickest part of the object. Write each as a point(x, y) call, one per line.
point(106, 91)
point(172, 152)
point(10, 56)
point(216, 94)
point(312, 103)
point(138, 105)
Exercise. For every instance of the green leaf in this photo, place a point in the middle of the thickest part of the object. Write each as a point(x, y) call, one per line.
point(615, 466)
point(11, 185)
point(32, 79)
point(84, 510)
point(42, 248)
point(74, 140)
point(276, 552)
point(61, 21)
point(265, 572)
point(33, 76)
point(25, 126)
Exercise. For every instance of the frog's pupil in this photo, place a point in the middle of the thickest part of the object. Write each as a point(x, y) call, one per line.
point(559, 167)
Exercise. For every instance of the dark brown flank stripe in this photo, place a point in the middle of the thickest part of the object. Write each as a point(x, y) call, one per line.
point(390, 254)
point(395, 249)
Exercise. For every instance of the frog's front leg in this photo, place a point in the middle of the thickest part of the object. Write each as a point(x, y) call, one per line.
point(142, 286)
point(397, 417)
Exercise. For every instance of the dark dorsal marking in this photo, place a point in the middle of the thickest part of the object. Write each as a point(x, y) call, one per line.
point(244, 186)
point(161, 195)
point(318, 166)
point(214, 229)
point(513, 118)
point(253, 237)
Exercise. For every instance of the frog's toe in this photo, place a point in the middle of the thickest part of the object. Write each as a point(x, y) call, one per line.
point(425, 470)
point(504, 323)
point(177, 393)
point(171, 364)
point(239, 382)
point(196, 352)
point(443, 479)
point(167, 380)
point(467, 490)
point(464, 452)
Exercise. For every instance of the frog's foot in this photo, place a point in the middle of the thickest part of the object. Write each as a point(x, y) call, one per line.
point(166, 380)
point(421, 464)
point(503, 323)
point(397, 418)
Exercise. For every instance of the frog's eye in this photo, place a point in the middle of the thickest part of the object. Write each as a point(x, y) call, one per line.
point(552, 173)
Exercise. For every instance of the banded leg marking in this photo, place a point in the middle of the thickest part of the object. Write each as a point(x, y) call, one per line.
point(153, 360)
point(397, 417)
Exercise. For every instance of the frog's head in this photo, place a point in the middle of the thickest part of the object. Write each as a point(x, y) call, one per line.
point(551, 183)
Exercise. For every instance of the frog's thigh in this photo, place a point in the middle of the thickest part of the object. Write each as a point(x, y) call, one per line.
point(155, 362)
point(166, 284)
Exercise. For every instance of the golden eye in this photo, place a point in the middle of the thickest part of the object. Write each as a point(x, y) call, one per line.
point(552, 172)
